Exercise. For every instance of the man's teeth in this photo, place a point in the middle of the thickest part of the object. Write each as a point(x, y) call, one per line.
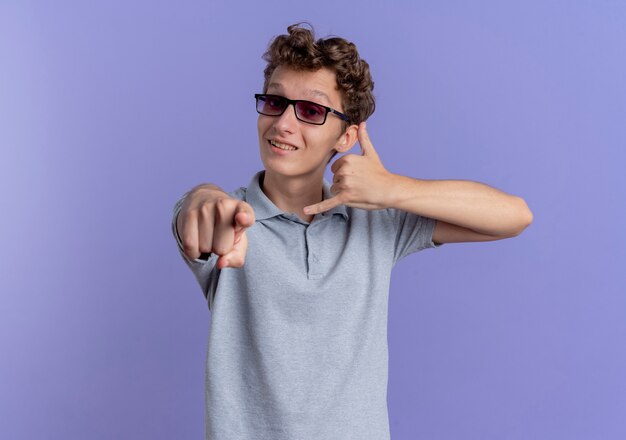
point(283, 146)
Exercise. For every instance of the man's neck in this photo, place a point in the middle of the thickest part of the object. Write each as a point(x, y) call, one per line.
point(292, 194)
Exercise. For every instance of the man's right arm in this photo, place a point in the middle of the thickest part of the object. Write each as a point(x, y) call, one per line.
point(210, 221)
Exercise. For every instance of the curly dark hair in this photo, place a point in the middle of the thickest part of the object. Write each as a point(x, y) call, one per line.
point(299, 50)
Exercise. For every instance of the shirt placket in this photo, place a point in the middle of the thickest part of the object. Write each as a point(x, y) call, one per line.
point(313, 236)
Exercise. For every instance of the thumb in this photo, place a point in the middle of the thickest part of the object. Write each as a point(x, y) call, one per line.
point(237, 256)
point(367, 149)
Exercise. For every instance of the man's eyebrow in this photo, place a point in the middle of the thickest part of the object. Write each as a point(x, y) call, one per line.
point(275, 85)
point(315, 92)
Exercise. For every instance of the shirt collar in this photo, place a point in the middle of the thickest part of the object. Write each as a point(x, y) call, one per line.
point(264, 208)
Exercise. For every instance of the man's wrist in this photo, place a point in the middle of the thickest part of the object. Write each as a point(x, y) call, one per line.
point(394, 191)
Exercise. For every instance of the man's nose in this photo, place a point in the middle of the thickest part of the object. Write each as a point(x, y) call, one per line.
point(287, 121)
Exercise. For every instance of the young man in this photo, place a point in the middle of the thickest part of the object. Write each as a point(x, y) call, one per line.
point(297, 271)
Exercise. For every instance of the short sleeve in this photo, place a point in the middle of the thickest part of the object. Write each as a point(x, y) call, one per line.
point(413, 233)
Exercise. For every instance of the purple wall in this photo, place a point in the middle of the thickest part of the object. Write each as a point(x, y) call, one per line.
point(106, 119)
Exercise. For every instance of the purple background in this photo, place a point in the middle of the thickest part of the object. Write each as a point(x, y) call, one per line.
point(109, 111)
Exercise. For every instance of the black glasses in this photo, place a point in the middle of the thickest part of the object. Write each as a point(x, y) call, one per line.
point(306, 111)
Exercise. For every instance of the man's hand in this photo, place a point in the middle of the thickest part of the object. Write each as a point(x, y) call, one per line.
point(359, 181)
point(211, 221)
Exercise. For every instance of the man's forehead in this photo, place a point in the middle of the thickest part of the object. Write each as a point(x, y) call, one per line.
point(311, 92)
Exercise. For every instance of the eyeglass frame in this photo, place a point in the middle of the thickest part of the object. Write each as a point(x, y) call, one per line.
point(293, 102)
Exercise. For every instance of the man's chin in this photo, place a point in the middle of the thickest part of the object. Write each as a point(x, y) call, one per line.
point(290, 172)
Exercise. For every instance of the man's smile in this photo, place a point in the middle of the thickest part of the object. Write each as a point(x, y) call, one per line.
point(281, 146)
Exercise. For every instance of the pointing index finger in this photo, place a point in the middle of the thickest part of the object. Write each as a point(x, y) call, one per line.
point(244, 216)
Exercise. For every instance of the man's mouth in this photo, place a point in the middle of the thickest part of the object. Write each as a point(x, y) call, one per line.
point(282, 146)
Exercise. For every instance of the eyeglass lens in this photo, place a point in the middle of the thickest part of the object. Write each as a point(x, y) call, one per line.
point(305, 111)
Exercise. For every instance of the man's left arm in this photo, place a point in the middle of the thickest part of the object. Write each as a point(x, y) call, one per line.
point(465, 210)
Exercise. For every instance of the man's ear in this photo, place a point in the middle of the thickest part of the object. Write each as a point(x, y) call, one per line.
point(347, 139)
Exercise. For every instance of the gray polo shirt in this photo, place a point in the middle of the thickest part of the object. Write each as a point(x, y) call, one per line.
point(297, 344)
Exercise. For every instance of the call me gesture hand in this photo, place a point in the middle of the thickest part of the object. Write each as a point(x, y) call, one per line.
point(359, 181)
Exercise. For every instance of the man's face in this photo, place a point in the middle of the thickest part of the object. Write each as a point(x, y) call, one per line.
point(314, 144)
